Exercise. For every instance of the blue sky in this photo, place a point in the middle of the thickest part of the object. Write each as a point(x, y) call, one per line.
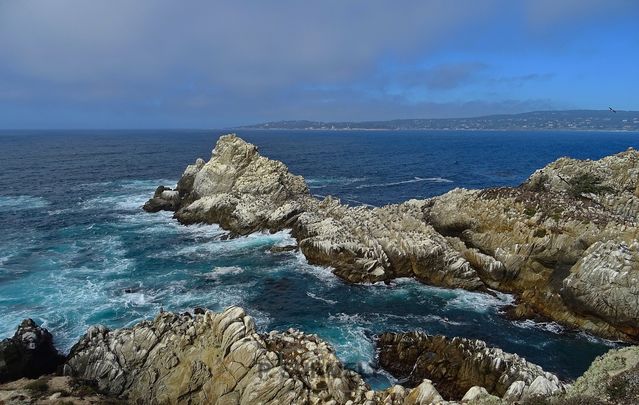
point(208, 64)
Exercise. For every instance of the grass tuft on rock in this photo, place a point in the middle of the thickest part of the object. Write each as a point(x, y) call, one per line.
point(39, 386)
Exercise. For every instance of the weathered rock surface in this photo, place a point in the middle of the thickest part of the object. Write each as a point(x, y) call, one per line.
point(457, 365)
point(612, 378)
point(564, 242)
point(211, 358)
point(29, 353)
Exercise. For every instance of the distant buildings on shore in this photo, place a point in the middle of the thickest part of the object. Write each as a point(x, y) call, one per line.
point(583, 120)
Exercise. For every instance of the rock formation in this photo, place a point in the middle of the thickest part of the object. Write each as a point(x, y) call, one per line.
point(29, 353)
point(212, 358)
point(244, 192)
point(459, 366)
point(564, 242)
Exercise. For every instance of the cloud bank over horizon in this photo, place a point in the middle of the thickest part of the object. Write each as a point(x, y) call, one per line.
point(204, 64)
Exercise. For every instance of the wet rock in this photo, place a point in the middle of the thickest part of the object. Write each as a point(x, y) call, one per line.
point(164, 199)
point(280, 249)
point(29, 353)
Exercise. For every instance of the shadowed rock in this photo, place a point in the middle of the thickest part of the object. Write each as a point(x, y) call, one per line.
point(29, 353)
point(457, 365)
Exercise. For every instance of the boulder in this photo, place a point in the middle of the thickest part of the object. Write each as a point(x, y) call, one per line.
point(29, 353)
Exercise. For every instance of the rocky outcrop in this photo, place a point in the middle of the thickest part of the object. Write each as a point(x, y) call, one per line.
point(459, 366)
point(612, 378)
point(218, 358)
point(211, 358)
point(164, 199)
point(29, 353)
point(244, 192)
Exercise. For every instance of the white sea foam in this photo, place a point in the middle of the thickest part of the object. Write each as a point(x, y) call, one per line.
point(413, 180)
point(323, 182)
point(222, 271)
point(221, 247)
point(324, 274)
point(478, 302)
point(552, 327)
point(21, 202)
point(315, 297)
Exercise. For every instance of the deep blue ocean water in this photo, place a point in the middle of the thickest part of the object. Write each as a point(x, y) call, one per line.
point(76, 249)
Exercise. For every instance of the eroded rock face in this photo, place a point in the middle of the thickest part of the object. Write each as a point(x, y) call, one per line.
point(457, 365)
point(211, 358)
point(29, 353)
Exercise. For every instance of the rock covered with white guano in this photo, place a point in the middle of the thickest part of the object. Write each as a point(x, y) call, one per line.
point(245, 192)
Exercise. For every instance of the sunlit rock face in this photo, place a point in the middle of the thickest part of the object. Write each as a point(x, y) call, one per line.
point(211, 358)
point(539, 241)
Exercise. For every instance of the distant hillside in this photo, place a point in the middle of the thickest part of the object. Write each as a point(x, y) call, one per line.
point(537, 120)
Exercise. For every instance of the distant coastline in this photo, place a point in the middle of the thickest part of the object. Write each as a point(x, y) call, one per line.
point(572, 120)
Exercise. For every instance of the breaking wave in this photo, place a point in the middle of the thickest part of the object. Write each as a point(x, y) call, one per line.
point(413, 180)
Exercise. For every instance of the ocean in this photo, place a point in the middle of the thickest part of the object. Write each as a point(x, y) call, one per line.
point(76, 249)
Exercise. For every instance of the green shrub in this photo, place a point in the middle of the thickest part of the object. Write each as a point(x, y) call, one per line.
point(586, 183)
point(39, 386)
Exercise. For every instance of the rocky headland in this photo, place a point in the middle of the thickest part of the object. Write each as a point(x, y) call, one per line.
point(564, 242)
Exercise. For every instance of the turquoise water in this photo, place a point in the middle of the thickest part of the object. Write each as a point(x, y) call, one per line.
point(77, 250)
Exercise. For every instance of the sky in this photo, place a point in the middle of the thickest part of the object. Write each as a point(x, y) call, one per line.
point(214, 64)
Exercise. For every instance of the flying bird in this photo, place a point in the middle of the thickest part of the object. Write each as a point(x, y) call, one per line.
point(611, 109)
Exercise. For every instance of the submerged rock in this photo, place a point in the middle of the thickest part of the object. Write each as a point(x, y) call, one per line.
point(29, 353)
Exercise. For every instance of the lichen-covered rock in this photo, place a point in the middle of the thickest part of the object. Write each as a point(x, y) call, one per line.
point(211, 358)
point(29, 353)
point(458, 364)
point(613, 376)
